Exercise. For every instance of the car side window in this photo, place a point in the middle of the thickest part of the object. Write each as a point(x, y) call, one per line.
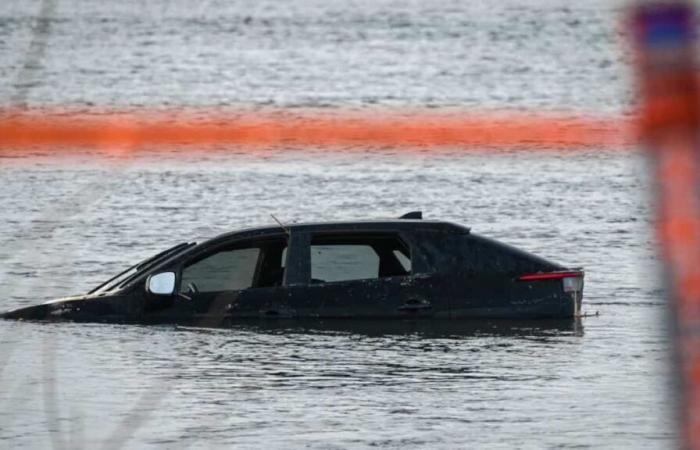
point(356, 257)
point(338, 262)
point(226, 270)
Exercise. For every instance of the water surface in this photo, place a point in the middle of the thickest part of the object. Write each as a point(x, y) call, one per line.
point(71, 222)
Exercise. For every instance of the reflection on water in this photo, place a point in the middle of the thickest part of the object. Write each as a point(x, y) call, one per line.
point(307, 383)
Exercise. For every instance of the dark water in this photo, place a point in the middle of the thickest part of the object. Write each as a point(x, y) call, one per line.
point(68, 223)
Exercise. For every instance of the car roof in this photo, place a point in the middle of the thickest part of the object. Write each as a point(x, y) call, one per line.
point(377, 225)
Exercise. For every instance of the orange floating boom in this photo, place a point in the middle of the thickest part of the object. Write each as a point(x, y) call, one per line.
point(61, 131)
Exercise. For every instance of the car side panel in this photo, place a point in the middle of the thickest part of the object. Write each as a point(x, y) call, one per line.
point(392, 297)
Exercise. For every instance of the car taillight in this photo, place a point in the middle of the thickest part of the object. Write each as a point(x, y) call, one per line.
point(572, 281)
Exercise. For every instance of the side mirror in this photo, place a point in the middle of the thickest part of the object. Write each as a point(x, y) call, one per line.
point(161, 283)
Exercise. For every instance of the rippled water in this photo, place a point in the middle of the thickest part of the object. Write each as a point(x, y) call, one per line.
point(69, 223)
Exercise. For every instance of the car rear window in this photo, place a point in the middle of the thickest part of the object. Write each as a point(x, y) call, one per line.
point(343, 262)
point(352, 257)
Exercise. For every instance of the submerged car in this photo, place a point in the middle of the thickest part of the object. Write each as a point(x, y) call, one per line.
point(401, 268)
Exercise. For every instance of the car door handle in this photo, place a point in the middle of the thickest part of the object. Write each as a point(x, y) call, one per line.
point(415, 305)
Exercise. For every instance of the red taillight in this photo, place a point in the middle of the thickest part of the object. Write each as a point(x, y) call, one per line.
point(550, 276)
point(572, 281)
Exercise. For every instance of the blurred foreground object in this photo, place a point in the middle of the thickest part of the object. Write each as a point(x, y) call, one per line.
point(665, 44)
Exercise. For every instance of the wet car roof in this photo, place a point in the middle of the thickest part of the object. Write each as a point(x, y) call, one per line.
point(356, 225)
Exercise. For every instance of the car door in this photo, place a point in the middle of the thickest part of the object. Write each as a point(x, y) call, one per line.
point(367, 275)
point(237, 280)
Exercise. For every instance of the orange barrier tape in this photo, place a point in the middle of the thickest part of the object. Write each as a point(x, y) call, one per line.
point(62, 131)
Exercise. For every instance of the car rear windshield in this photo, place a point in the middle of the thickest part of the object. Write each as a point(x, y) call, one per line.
point(485, 255)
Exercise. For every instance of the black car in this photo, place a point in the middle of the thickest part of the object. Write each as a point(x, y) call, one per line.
point(402, 268)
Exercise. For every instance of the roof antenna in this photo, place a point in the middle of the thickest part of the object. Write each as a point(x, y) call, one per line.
point(286, 230)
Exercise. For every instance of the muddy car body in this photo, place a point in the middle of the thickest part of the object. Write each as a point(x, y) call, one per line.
point(390, 269)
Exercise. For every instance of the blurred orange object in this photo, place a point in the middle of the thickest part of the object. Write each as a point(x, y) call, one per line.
point(64, 131)
point(664, 39)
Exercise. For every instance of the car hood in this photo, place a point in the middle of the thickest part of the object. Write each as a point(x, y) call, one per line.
point(66, 307)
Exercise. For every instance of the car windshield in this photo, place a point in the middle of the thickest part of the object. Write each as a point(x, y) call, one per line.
point(125, 276)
